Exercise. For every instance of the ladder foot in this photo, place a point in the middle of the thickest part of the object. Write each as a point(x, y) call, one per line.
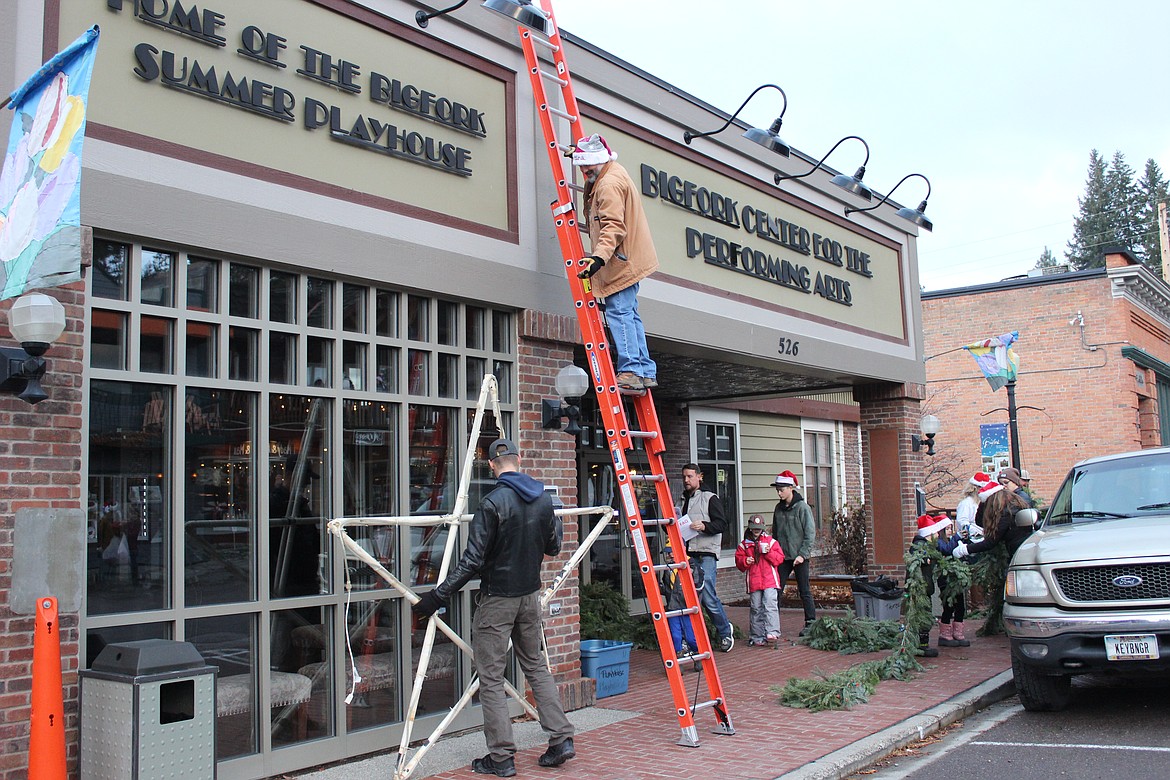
point(724, 729)
point(689, 738)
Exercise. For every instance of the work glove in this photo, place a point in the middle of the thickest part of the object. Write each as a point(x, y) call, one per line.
point(595, 265)
point(427, 605)
point(960, 550)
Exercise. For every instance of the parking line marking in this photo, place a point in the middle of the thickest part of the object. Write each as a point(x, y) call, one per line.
point(1145, 748)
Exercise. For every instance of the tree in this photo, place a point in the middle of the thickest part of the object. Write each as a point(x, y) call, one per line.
point(1047, 259)
point(1152, 189)
point(1091, 226)
point(1122, 207)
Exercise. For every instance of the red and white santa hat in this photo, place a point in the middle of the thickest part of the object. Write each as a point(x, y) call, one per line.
point(980, 479)
point(989, 490)
point(929, 525)
point(785, 478)
point(592, 151)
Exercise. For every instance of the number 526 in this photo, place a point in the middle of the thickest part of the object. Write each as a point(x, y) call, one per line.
point(789, 347)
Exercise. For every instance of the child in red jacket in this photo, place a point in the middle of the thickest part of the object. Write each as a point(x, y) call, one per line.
point(759, 555)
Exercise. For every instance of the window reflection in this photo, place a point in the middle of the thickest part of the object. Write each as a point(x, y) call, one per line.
point(298, 495)
point(110, 260)
point(158, 277)
point(219, 509)
point(432, 485)
point(128, 519)
point(370, 436)
point(229, 642)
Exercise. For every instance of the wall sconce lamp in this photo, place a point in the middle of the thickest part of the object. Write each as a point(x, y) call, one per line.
point(852, 184)
point(917, 216)
point(422, 18)
point(929, 425)
point(769, 139)
point(36, 321)
point(571, 383)
point(522, 12)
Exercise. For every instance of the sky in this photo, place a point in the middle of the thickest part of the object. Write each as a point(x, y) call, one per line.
point(998, 104)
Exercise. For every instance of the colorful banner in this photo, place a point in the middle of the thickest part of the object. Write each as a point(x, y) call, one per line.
point(40, 184)
point(996, 359)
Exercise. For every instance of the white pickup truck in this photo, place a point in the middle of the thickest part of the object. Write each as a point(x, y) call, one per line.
point(1090, 590)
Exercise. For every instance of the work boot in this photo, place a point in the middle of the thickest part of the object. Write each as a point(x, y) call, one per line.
point(489, 766)
point(924, 645)
point(557, 754)
point(961, 639)
point(628, 380)
point(946, 635)
point(648, 382)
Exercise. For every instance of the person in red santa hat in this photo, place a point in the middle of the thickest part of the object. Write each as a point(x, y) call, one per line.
point(997, 515)
point(794, 529)
point(929, 529)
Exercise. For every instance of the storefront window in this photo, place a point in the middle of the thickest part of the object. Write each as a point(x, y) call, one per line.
point(110, 260)
point(130, 431)
point(282, 297)
point(715, 455)
point(230, 643)
point(107, 340)
point(156, 338)
point(158, 277)
point(298, 503)
point(244, 291)
point(370, 441)
point(219, 507)
point(202, 285)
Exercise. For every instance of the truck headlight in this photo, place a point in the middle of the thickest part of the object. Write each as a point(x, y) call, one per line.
point(1025, 584)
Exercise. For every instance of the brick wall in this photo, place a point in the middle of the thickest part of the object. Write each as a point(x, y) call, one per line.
point(550, 456)
point(40, 466)
point(1076, 395)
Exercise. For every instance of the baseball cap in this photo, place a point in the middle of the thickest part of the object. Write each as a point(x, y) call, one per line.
point(501, 447)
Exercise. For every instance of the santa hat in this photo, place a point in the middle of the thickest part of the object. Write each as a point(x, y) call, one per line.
point(980, 479)
point(929, 525)
point(592, 151)
point(785, 478)
point(989, 490)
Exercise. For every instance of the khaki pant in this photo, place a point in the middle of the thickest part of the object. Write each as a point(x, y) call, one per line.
point(498, 619)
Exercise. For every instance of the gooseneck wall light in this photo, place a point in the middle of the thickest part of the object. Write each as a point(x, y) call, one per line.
point(571, 383)
point(769, 139)
point(917, 216)
point(422, 18)
point(853, 184)
point(36, 321)
point(522, 12)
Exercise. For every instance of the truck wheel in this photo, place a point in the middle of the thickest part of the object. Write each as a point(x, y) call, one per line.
point(1040, 692)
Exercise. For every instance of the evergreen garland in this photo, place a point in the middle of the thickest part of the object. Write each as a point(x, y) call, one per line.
point(850, 634)
point(989, 570)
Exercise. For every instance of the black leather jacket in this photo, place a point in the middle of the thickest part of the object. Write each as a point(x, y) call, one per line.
point(507, 541)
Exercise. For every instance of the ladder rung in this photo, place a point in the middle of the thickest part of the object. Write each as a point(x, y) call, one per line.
point(670, 566)
point(546, 43)
point(681, 612)
point(653, 521)
point(565, 149)
point(706, 705)
point(643, 434)
point(574, 186)
point(561, 114)
point(647, 477)
point(696, 657)
point(544, 74)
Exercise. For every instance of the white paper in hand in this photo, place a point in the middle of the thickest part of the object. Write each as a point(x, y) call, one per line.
point(684, 528)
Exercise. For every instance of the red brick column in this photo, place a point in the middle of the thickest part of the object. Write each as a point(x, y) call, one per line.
point(40, 467)
point(890, 414)
point(546, 344)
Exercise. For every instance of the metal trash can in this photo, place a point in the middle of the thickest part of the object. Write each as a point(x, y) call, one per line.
point(878, 600)
point(148, 711)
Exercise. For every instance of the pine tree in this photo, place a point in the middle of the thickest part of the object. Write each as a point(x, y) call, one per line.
point(1152, 189)
point(1047, 259)
point(1091, 227)
point(1123, 208)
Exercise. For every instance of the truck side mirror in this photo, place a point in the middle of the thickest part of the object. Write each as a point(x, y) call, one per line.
point(1027, 518)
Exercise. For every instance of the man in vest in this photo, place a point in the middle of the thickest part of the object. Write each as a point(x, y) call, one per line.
point(705, 512)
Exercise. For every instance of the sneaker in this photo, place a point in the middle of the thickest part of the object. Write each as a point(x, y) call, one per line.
point(757, 643)
point(557, 754)
point(627, 380)
point(648, 382)
point(489, 766)
point(804, 631)
point(726, 643)
point(684, 650)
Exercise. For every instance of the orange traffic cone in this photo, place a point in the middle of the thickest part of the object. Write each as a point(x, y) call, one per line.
point(46, 746)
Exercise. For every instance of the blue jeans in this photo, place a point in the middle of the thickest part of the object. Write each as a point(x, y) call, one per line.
point(709, 599)
point(629, 338)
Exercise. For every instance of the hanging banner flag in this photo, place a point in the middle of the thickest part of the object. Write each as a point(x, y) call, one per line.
point(996, 359)
point(40, 184)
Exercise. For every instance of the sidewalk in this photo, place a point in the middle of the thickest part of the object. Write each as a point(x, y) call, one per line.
point(632, 736)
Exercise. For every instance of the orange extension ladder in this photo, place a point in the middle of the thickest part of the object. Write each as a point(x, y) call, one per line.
point(619, 433)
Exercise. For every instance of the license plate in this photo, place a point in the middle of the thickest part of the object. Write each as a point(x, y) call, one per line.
point(1131, 647)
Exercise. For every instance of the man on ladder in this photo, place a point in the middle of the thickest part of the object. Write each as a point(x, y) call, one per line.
point(622, 256)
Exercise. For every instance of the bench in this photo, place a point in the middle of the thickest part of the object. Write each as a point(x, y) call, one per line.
point(234, 695)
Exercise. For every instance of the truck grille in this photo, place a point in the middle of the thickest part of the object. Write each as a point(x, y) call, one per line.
point(1096, 583)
